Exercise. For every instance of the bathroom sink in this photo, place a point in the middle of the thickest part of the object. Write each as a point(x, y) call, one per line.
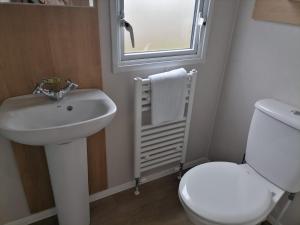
point(37, 120)
point(62, 127)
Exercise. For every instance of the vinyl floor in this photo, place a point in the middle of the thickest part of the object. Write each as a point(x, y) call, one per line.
point(157, 204)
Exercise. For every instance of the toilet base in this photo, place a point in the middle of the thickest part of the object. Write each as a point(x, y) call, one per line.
point(196, 220)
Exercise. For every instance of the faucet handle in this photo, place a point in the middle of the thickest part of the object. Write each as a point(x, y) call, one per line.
point(39, 86)
point(69, 81)
point(37, 89)
point(71, 84)
point(41, 83)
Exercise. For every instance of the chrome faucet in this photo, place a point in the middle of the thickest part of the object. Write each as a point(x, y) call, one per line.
point(55, 95)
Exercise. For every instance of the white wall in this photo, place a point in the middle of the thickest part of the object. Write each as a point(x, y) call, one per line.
point(264, 63)
point(120, 88)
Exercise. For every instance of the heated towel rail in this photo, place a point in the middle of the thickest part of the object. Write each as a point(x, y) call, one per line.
point(158, 145)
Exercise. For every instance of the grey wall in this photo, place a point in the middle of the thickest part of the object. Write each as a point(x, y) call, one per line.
point(120, 88)
point(264, 63)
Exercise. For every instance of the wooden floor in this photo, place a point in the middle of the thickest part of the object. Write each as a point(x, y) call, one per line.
point(157, 204)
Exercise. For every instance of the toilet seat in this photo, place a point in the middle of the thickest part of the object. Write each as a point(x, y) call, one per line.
point(225, 193)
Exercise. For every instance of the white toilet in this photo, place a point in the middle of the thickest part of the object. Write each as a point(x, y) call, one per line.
point(223, 193)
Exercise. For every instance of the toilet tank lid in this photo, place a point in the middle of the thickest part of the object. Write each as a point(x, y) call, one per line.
point(285, 113)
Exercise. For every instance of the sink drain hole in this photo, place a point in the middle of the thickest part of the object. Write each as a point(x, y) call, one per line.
point(69, 108)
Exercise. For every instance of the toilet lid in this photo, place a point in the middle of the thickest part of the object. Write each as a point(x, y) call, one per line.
point(224, 193)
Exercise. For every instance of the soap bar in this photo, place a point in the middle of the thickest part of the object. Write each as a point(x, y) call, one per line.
point(54, 84)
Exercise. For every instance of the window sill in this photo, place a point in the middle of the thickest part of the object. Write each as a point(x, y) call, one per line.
point(148, 64)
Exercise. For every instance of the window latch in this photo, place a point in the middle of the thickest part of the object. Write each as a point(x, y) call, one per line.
point(128, 28)
point(201, 20)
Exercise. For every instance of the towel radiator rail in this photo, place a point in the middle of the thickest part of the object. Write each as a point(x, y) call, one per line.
point(162, 144)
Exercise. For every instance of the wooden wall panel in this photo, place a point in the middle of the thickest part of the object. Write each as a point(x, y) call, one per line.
point(97, 162)
point(38, 42)
point(281, 11)
point(35, 176)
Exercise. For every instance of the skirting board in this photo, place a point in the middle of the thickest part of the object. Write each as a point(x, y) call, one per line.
point(108, 192)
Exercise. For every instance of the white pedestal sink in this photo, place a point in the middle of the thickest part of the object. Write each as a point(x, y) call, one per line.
point(62, 127)
point(68, 173)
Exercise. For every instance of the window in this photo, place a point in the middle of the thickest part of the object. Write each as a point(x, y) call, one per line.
point(158, 31)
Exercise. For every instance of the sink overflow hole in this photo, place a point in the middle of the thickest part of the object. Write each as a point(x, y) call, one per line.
point(69, 108)
point(296, 112)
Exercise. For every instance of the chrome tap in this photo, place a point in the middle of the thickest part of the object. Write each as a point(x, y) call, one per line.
point(55, 95)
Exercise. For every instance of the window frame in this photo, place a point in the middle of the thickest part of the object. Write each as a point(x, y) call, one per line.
point(132, 61)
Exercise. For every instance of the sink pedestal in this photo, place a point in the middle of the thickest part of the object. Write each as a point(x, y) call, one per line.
point(36, 120)
point(68, 170)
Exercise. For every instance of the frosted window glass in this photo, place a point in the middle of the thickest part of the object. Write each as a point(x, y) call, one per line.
point(159, 25)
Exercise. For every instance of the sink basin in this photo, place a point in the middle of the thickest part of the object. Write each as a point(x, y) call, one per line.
point(62, 127)
point(37, 120)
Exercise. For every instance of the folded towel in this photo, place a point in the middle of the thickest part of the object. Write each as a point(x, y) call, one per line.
point(168, 91)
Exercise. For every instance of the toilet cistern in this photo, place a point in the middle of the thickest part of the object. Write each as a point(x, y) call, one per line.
point(223, 193)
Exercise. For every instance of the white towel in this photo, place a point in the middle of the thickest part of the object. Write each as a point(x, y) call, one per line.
point(168, 91)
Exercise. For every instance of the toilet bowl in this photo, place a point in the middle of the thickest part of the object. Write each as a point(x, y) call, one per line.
point(223, 193)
